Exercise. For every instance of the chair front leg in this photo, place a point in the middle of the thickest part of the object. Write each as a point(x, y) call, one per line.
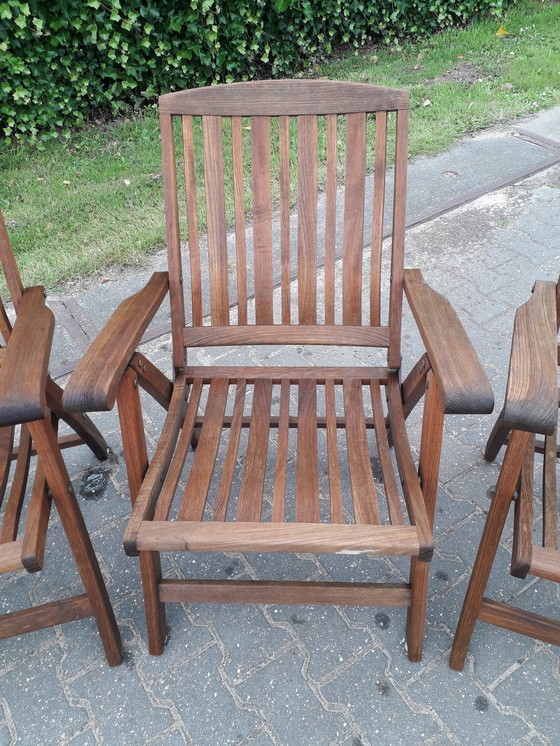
point(150, 569)
point(132, 431)
point(416, 614)
point(430, 445)
point(136, 459)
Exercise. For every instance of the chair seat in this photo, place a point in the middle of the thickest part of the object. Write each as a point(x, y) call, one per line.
point(233, 492)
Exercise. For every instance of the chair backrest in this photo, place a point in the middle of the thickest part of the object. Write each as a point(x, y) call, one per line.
point(284, 144)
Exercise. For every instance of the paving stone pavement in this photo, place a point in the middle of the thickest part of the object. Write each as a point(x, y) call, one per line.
point(300, 675)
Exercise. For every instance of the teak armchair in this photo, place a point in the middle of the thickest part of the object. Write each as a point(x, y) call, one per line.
point(33, 401)
point(530, 408)
point(264, 491)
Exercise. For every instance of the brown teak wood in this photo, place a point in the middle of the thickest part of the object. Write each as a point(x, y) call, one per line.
point(30, 399)
point(285, 456)
point(530, 408)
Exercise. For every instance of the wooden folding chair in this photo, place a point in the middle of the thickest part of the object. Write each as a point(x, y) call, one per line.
point(530, 408)
point(281, 427)
point(31, 405)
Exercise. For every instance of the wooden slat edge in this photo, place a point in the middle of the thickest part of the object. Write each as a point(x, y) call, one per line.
point(93, 385)
point(24, 370)
point(279, 373)
point(278, 537)
point(520, 621)
point(532, 389)
point(265, 334)
point(284, 97)
point(464, 386)
point(285, 592)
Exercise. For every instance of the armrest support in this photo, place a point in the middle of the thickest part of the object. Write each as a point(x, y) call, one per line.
point(464, 386)
point(23, 374)
point(93, 385)
point(531, 401)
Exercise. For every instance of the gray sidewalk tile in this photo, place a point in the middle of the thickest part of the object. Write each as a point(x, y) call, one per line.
point(315, 676)
point(283, 695)
point(382, 710)
point(469, 711)
point(37, 690)
point(532, 691)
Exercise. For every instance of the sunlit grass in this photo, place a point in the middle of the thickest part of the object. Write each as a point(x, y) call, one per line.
point(77, 206)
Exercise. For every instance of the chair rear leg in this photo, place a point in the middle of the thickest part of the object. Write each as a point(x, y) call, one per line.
point(74, 526)
point(507, 482)
point(416, 614)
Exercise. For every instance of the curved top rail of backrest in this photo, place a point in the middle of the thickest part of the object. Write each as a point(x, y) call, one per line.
point(284, 97)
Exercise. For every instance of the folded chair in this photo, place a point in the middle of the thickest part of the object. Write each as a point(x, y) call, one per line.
point(265, 437)
point(31, 406)
point(530, 409)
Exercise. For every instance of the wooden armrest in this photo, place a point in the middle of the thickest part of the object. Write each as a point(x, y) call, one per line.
point(464, 386)
point(23, 374)
point(531, 401)
point(93, 385)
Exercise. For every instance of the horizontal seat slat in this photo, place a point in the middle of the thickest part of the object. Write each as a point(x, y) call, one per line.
point(242, 536)
point(266, 334)
point(10, 556)
point(545, 563)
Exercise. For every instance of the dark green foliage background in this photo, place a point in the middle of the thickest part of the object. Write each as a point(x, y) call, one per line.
point(60, 62)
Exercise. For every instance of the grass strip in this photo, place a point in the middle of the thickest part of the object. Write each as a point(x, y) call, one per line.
point(95, 200)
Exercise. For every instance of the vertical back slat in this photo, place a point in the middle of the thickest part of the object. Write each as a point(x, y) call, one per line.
point(224, 488)
point(285, 270)
point(378, 214)
point(354, 194)
point(192, 220)
point(307, 468)
point(200, 476)
point(254, 468)
point(239, 208)
point(278, 497)
point(335, 489)
point(364, 493)
point(177, 300)
point(330, 218)
point(307, 219)
point(216, 219)
point(397, 261)
point(262, 218)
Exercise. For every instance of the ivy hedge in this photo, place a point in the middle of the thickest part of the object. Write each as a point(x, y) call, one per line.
point(61, 62)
